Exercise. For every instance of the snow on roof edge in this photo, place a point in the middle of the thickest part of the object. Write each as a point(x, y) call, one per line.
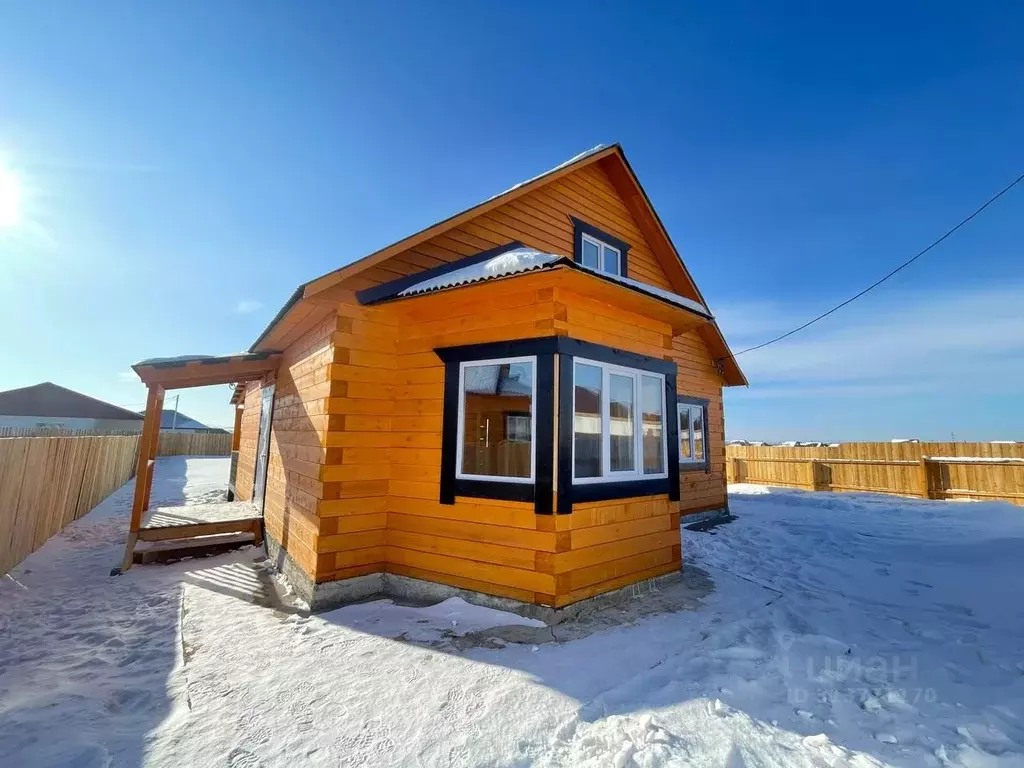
point(525, 259)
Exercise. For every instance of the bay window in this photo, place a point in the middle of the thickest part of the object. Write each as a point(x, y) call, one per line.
point(556, 421)
point(618, 423)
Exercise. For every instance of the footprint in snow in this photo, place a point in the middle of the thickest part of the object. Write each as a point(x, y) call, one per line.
point(243, 758)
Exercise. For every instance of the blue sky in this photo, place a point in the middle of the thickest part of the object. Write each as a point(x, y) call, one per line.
point(185, 165)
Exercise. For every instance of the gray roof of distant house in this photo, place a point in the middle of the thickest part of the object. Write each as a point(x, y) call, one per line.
point(54, 401)
point(168, 420)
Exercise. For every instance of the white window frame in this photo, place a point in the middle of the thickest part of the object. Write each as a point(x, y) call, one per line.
point(602, 246)
point(692, 461)
point(618, 476)
point(459, 474)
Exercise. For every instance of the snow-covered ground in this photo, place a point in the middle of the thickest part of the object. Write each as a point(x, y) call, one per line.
point(841, 630)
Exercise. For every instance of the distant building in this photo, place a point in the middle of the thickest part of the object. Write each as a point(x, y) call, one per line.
point(48, 406)
point(171, 420)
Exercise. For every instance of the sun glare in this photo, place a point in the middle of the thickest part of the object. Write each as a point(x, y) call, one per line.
point(10, 199)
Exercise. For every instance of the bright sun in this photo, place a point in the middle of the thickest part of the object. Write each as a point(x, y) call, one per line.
point(10, 199)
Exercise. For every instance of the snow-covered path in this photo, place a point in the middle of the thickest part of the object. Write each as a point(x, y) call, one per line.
point(842, 630)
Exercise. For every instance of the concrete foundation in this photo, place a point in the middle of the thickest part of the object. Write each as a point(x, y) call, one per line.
point(333, 594)
point(707, 514)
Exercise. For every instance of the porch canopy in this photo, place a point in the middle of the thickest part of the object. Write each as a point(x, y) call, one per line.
point(159, 375)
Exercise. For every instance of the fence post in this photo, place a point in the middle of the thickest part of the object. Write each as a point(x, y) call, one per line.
point(736, 475)
point(924, 479)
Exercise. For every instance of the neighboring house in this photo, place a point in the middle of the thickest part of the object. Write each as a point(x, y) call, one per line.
point(521, 401)
point(176, 421)
point(52, 407)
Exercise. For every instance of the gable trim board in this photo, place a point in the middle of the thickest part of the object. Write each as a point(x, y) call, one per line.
point(613, 160)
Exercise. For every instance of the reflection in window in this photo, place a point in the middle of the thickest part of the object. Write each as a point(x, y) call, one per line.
point(517, 427)
point(619, 433)
point(496, 419)
point(691, 433)
point(685, 441)
point(652, 394)
point(698, 434)
point(600, 256)
point(587, 435)
point(620, 420)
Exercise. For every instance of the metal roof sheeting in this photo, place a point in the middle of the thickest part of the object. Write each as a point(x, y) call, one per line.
point(524, 259)
point(512, 262)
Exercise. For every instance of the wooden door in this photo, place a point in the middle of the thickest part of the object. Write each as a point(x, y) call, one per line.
point(263, 446)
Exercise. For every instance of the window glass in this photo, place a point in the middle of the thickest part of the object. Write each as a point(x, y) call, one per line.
point(620, 423)
point(587, 436)
point(591, 254)
point(652, 391)
point(611, 260)
point(698, 432)
point(685, 450)
point(620, 428)
point(496, 397)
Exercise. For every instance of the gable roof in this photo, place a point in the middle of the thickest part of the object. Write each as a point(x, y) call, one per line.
point(52, 400)
point(622, 176)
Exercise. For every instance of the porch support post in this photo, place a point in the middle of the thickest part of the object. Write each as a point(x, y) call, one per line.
point(148, 444)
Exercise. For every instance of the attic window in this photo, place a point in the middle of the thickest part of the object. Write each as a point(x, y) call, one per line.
point(598, 250)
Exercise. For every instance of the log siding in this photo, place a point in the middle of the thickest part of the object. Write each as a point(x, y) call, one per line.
point(355, 480)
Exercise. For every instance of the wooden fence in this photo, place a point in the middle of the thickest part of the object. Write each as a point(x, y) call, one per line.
point(59, 432)
point(984, 471)
point(194, 444)
point(46, 483)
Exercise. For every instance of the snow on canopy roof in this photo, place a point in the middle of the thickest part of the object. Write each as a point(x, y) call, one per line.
point(524, 259)
point(168, 362)
point(672, 298)
point(512, 262)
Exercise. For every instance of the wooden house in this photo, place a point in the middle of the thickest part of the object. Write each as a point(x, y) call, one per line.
point(520, 401)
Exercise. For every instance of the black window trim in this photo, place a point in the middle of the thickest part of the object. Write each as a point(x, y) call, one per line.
point(570, 493)
point(581, 227)
point(703, 465)
point(541, 492)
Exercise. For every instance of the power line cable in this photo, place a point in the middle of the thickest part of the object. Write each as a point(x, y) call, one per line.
point(877, 283)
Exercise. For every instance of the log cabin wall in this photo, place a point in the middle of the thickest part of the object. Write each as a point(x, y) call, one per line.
point(357, 460)
point(697, 377)
point(541, 219)
point(488, 545)
point(297, 451)
point(355, 467)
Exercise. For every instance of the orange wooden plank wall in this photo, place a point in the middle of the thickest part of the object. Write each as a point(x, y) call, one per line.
point(481, 544)
point(356, 483)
